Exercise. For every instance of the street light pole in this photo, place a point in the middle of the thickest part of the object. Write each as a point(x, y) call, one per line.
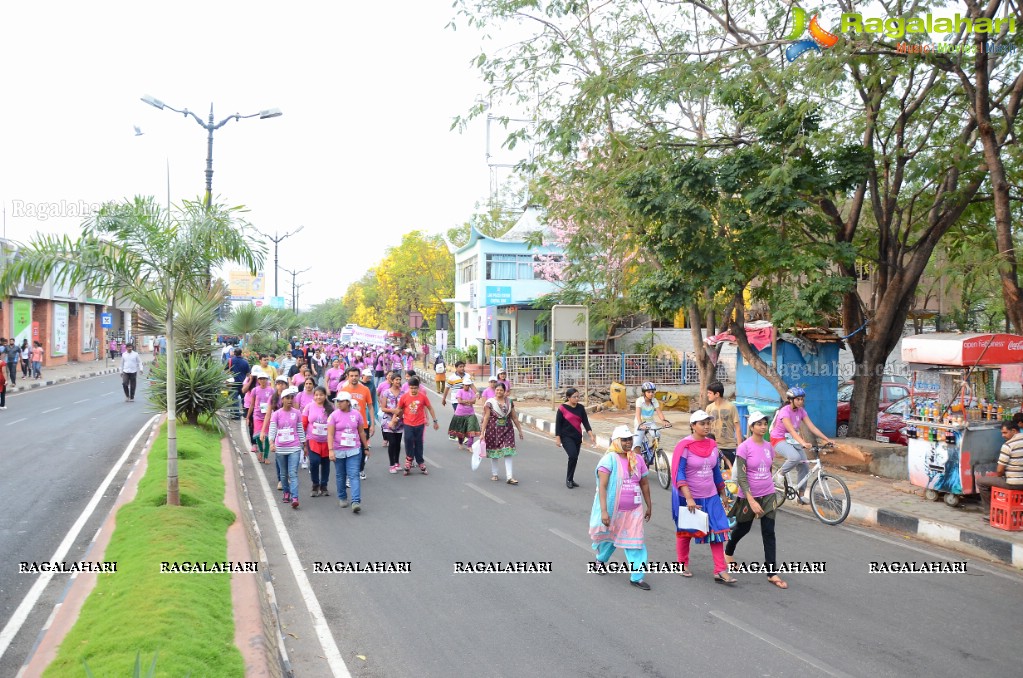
point(276, 240)
point(294, 289)
point(210, 126)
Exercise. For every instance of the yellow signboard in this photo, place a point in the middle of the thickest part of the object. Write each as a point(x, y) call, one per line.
point(244, 286)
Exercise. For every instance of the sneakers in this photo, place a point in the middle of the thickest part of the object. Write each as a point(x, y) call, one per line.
point(641, 585)
point(348, 482)
point(279, 486)
point(315, 492)
point(305, 463)
point(294, 502)
point(422, 469)
point(356, 507)
point(362, 475)
point(343, 503)
point(392, 469)
point(287, 498)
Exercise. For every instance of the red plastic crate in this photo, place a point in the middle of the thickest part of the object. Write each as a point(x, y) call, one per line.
point(1010, 519)
point(1007, 498)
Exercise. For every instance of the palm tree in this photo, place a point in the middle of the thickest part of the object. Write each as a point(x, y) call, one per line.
point(154, 258)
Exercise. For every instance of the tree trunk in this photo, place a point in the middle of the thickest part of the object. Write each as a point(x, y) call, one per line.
point(704, 358)
point(173, 496)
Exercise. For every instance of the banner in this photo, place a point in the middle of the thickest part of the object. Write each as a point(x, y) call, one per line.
point(365, 335)
point(60, 317)
point(244, 286)
point(21, 310)
point(89, 340)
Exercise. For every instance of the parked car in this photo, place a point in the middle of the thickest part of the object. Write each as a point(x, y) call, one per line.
point(891, 391)
point(891, 423)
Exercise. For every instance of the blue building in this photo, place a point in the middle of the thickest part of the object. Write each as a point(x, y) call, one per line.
point(496, 284)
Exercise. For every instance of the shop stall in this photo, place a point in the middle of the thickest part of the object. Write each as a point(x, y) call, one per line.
point(954, 420)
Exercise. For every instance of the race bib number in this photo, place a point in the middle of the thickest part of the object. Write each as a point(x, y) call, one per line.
point(319, 428)
point(263, 407)
point(348, 439)
point(286, 435)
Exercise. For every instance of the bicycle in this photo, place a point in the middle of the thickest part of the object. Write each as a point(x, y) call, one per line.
point(830, 500)
point(655, 458)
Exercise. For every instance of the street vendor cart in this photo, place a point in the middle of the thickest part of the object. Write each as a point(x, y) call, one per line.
point(959, 425)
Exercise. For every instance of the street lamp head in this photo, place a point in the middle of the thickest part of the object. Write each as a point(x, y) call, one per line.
point(153, 101)
point(270, 113)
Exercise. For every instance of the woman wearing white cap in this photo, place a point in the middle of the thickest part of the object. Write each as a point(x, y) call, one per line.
point(345, 433)
point(287, 441)
point(757, 499)
point(617, 515)
point(464, 425)
point(695, 468)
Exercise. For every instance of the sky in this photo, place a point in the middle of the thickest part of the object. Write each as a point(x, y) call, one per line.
point(362, 154)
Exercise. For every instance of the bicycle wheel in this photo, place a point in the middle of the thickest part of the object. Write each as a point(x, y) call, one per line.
point(830, 499)
point(781, 489)
point(663, 468)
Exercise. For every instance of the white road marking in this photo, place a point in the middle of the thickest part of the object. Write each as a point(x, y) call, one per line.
point(79, 402)
point(785, 647)
point(571, 540)
point(327, 642)
point(52, 409)
point(21, 614)
point(12, 423)
point(431, 462)
point(486, 494)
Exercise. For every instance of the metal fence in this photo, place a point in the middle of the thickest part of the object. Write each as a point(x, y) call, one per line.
point(604, 368)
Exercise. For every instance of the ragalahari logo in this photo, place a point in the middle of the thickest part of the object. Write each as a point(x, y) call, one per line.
point(819, 38)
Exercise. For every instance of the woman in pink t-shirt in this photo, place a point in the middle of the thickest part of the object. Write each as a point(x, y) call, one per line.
point(787, 440)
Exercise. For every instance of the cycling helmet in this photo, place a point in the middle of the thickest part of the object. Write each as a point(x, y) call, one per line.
point(795, 392)
point(648, 386)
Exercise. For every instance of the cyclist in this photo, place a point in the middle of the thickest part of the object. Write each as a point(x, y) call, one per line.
point(786, 438)
point(648, 411)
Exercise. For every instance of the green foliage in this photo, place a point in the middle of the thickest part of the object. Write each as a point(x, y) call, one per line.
point(331, 315)
point(194, 322)
point(472, 354)
point(533, 344)
point(199, 387)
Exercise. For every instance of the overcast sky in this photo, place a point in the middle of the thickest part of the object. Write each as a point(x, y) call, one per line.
point(362, 154)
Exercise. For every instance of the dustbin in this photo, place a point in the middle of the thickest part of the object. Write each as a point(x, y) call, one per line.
point(618, 396)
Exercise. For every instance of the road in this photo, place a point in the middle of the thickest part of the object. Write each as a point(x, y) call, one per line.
point(433, 622)
point(57, 445)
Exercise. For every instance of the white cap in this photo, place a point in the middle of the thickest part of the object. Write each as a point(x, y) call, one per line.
point(281, 377)
point(492, 378)
point(367, 372)
point(754, 417)
point(467, 381)
point(699, 415)
point(288, 392)
point(260, 373)
point(343, 395)
point(621, 432)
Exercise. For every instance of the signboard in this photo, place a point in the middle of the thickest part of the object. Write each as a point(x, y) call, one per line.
point(498, 295)
point(106, 320)
point(258, 303)
point(441, 321)
point(35, 332)
point(490, 325)
point(60, 318)
point(22, 315)
point(963, 350)
point(243, 286)
point(89, 340)
point(364, 335)
point(276, 302)
point(570, 323)
point(442, 339)
point(415, 320)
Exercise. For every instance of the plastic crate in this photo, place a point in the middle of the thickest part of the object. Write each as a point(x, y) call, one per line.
point(1007, 498)
point(1004, 518)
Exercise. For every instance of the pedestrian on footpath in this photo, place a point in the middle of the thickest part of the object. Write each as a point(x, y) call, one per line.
point(314, 421)
point(464, 425)
point(287, 441)
point(440, 371)
point(3, 390)
point(569, 424)
point(411, 410)
point(498, 432)
point(26, 355)
point(346, 446)
point(388, 399)
point(37, 361)
point(695, 466)
point(725, 421)
point(131, 364)
point(13, 356)
point(112, 348)
point(757, 499)
point(617, 515)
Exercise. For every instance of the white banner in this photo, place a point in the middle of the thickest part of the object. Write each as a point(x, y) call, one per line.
point(364, 335)
point(60, 318)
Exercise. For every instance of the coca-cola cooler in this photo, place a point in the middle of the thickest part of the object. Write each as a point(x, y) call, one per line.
point(954, 422)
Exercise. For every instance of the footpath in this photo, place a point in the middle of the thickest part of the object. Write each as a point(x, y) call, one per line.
point(68, 372)
point(876, 502)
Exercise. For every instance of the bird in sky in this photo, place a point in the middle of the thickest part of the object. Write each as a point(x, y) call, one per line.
point(138, 132)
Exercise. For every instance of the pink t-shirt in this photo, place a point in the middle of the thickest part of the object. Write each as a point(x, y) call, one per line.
point(334, 377)
point(317, 417)
point(298, 380)
point(464, 410)
point(631, 495)
point(346, 429)
point(795, 416)
point(261, 402)
point(488, 393)
point(700, 472)
point(289, 429)
point(758, 466)
point(302, 399)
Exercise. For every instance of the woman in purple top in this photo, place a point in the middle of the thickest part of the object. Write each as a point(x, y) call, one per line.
point(696, 469)
point(464, 424)
point(785, 436)
point(753, 462)
point(389, 395)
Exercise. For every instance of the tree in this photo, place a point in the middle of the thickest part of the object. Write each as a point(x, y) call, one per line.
point(154, 258)
point(417, 275)
point(331, 314)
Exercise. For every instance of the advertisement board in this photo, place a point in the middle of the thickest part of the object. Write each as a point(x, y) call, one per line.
point(243, 286)
point(21, 312)
point(60, 318)
point(89, 340)
point(365, 335)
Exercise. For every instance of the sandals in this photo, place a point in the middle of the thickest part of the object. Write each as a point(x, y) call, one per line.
point(685, 572)
point(494, 478)
point(512, 481)
point(723, 580)
point(777, 581)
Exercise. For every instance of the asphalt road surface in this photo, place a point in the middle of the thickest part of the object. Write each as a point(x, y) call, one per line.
point(57, 445)
point(434, 622)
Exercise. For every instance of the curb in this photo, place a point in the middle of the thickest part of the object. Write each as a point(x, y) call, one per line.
point(1004, 551)
point(269, 602)
point(58, 380)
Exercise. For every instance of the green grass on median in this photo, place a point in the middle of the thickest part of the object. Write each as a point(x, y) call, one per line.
point(186, 618)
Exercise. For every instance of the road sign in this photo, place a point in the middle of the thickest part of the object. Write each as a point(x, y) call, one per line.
point(258, 303)
point(414, 334)
point(106, 320)
point(276, 302)
point(415, 320)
